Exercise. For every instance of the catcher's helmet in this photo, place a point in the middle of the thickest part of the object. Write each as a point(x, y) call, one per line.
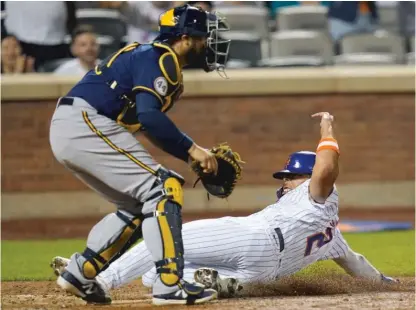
point(194, 22)
point(298, 163)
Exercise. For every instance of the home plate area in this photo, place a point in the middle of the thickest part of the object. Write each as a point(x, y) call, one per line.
point(329, 291)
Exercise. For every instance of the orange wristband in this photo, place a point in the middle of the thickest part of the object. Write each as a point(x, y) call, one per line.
point(328, 144)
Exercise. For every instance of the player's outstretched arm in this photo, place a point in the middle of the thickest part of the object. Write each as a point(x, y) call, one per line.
point(357, 265)
point(325, 171)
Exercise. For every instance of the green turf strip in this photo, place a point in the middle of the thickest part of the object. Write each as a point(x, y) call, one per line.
point(393, 253)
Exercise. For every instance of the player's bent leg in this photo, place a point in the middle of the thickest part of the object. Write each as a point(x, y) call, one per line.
point(130, 266)
point(135, 263)
point(162, 232)
point(205, 246)
point(108, 239)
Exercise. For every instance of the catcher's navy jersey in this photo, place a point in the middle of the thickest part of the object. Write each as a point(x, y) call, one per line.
point(134, 87)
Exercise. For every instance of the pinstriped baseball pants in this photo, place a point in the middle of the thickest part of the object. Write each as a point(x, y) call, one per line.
point(229, 245)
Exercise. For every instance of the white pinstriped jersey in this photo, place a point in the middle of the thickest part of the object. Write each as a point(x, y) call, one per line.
point(308, 228)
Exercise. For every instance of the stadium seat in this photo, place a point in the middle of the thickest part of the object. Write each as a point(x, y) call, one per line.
point(363, 59)
point(238, 64)
point(52, 65)
point(388, 18)
point(245, 48)
point(105, 22)
point(303, 17)
point(299, 48)
point(250, 19)
point(379, 47)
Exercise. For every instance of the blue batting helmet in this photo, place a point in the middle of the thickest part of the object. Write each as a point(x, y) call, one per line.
point(298, 163)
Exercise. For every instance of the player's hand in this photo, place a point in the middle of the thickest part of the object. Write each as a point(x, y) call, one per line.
point(205, 157)
point(326, 123)
point(389, 279)
point(326, 117)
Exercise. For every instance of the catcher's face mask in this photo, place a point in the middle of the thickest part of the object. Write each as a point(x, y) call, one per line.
point(217, 48)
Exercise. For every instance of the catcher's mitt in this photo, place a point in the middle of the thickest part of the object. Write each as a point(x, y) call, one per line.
point(222, 184)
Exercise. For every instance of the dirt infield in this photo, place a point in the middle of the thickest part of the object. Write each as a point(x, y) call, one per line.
point(328, 292)
point(79, 227)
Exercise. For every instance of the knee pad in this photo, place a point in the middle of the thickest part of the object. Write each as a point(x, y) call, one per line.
point(98, 261)
point(172, 185)
point(173, 190)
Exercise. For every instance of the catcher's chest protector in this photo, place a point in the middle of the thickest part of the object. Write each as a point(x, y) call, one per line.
point(112, 86)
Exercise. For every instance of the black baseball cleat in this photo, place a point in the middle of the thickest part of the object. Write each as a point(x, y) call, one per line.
point(92, 292)
point(187, 294)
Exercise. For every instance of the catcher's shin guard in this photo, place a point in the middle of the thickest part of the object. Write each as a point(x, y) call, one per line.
point(171, 265)
point(100, 253)
point(162, 230)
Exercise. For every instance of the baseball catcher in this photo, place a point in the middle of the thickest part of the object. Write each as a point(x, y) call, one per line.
point(92, 135)
point(300, 228)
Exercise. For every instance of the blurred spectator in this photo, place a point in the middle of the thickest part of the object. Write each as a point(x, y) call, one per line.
point(142, 18)
point(111, 4)
point(274, 6)
point(407, 18)
point(41, 27)
point(85, 48)
point(204, 5)
point(244, 3)
point(88, 4)
point(3, 17)
point(98, 4)
point(12, 59)
point(345, 17)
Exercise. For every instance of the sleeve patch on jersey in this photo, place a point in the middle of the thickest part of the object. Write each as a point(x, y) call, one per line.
point(161, 85)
